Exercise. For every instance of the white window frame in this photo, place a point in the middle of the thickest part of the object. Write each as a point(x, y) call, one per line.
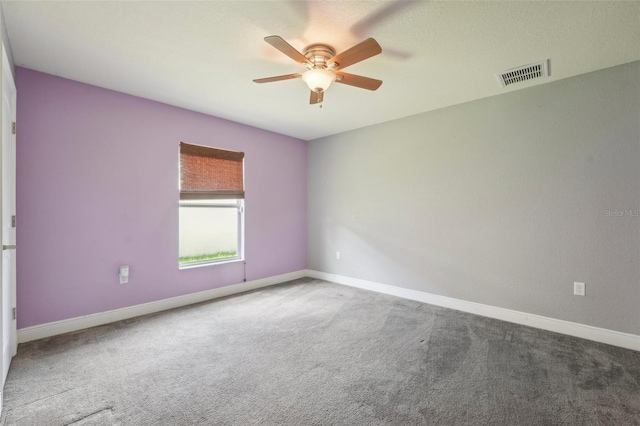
point(239, 205)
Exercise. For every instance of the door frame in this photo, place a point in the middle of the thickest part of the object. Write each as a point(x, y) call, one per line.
point(8, 82)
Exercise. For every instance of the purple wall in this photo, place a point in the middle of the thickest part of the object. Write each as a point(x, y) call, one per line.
point(97, 187)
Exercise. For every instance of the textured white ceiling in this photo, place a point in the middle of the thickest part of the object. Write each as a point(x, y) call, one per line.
point(204, 55)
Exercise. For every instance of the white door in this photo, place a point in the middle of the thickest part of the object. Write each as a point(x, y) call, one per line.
point(8, 209)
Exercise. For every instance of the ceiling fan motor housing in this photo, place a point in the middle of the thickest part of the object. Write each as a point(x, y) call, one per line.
point(319, 54)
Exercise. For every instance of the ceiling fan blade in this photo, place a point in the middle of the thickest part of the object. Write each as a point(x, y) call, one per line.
point(279, 43)
point(358, 81)
point(357, 53)
point(316, 97)
point(277, 78)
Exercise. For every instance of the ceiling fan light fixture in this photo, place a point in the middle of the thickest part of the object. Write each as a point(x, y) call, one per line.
point(319, 79)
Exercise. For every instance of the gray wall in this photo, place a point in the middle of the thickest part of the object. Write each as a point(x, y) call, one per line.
point(504, 201)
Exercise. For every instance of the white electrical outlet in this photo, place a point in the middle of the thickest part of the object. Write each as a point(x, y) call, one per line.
point(578, 289)
point(124, 274)
point(337, 255)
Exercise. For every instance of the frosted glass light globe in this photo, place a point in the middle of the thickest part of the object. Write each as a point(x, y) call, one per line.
point(319, 79)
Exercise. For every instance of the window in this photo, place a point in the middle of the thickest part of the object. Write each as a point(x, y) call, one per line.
point(211, 205)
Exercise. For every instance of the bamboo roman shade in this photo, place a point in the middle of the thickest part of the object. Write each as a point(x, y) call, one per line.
point(210, 173)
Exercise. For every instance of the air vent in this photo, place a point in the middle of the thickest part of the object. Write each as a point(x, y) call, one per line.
point(524, 73)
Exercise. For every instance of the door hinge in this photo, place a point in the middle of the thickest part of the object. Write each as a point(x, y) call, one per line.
point(13, 221)
point(13, 127)
point(14, 313)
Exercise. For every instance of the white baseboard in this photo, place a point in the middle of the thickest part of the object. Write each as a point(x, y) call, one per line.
point(611, 337)
point(73, 324)
point(616, 338)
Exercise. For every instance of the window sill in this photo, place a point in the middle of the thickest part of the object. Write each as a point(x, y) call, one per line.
point(203, 264)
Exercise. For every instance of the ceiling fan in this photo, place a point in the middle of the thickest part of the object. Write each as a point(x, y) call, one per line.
point(324, 65)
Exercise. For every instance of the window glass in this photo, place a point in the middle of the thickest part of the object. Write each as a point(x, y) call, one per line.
point(209, 231)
